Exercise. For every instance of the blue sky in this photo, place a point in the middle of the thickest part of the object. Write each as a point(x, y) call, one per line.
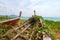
point(46, 8)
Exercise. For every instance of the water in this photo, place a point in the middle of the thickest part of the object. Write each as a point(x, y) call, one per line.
point(52, 18)
point(25, 18)
point(47, 18)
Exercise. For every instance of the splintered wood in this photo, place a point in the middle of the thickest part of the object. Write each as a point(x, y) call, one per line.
point(26, 31)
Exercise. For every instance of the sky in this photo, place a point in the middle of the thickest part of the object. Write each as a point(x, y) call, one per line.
point(45, 8)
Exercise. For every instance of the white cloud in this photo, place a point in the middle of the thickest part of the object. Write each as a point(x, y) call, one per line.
point(48, 8)
point(5, 8)
point(34, 1)
point(42, 7)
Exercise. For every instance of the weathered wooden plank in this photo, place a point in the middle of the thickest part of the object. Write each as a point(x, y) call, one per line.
point(14, 29)
point(20, 33)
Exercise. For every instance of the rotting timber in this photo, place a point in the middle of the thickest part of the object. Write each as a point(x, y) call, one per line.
point(29, 30)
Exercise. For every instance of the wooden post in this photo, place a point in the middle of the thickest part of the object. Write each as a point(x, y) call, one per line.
point(34, 13)
point(20, 13)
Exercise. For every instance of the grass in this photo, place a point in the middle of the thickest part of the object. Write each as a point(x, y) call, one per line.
point(2, 18)
point(53, 25)
point(50, 25)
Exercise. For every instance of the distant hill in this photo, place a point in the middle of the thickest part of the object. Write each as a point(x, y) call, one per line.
point(12, 16)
